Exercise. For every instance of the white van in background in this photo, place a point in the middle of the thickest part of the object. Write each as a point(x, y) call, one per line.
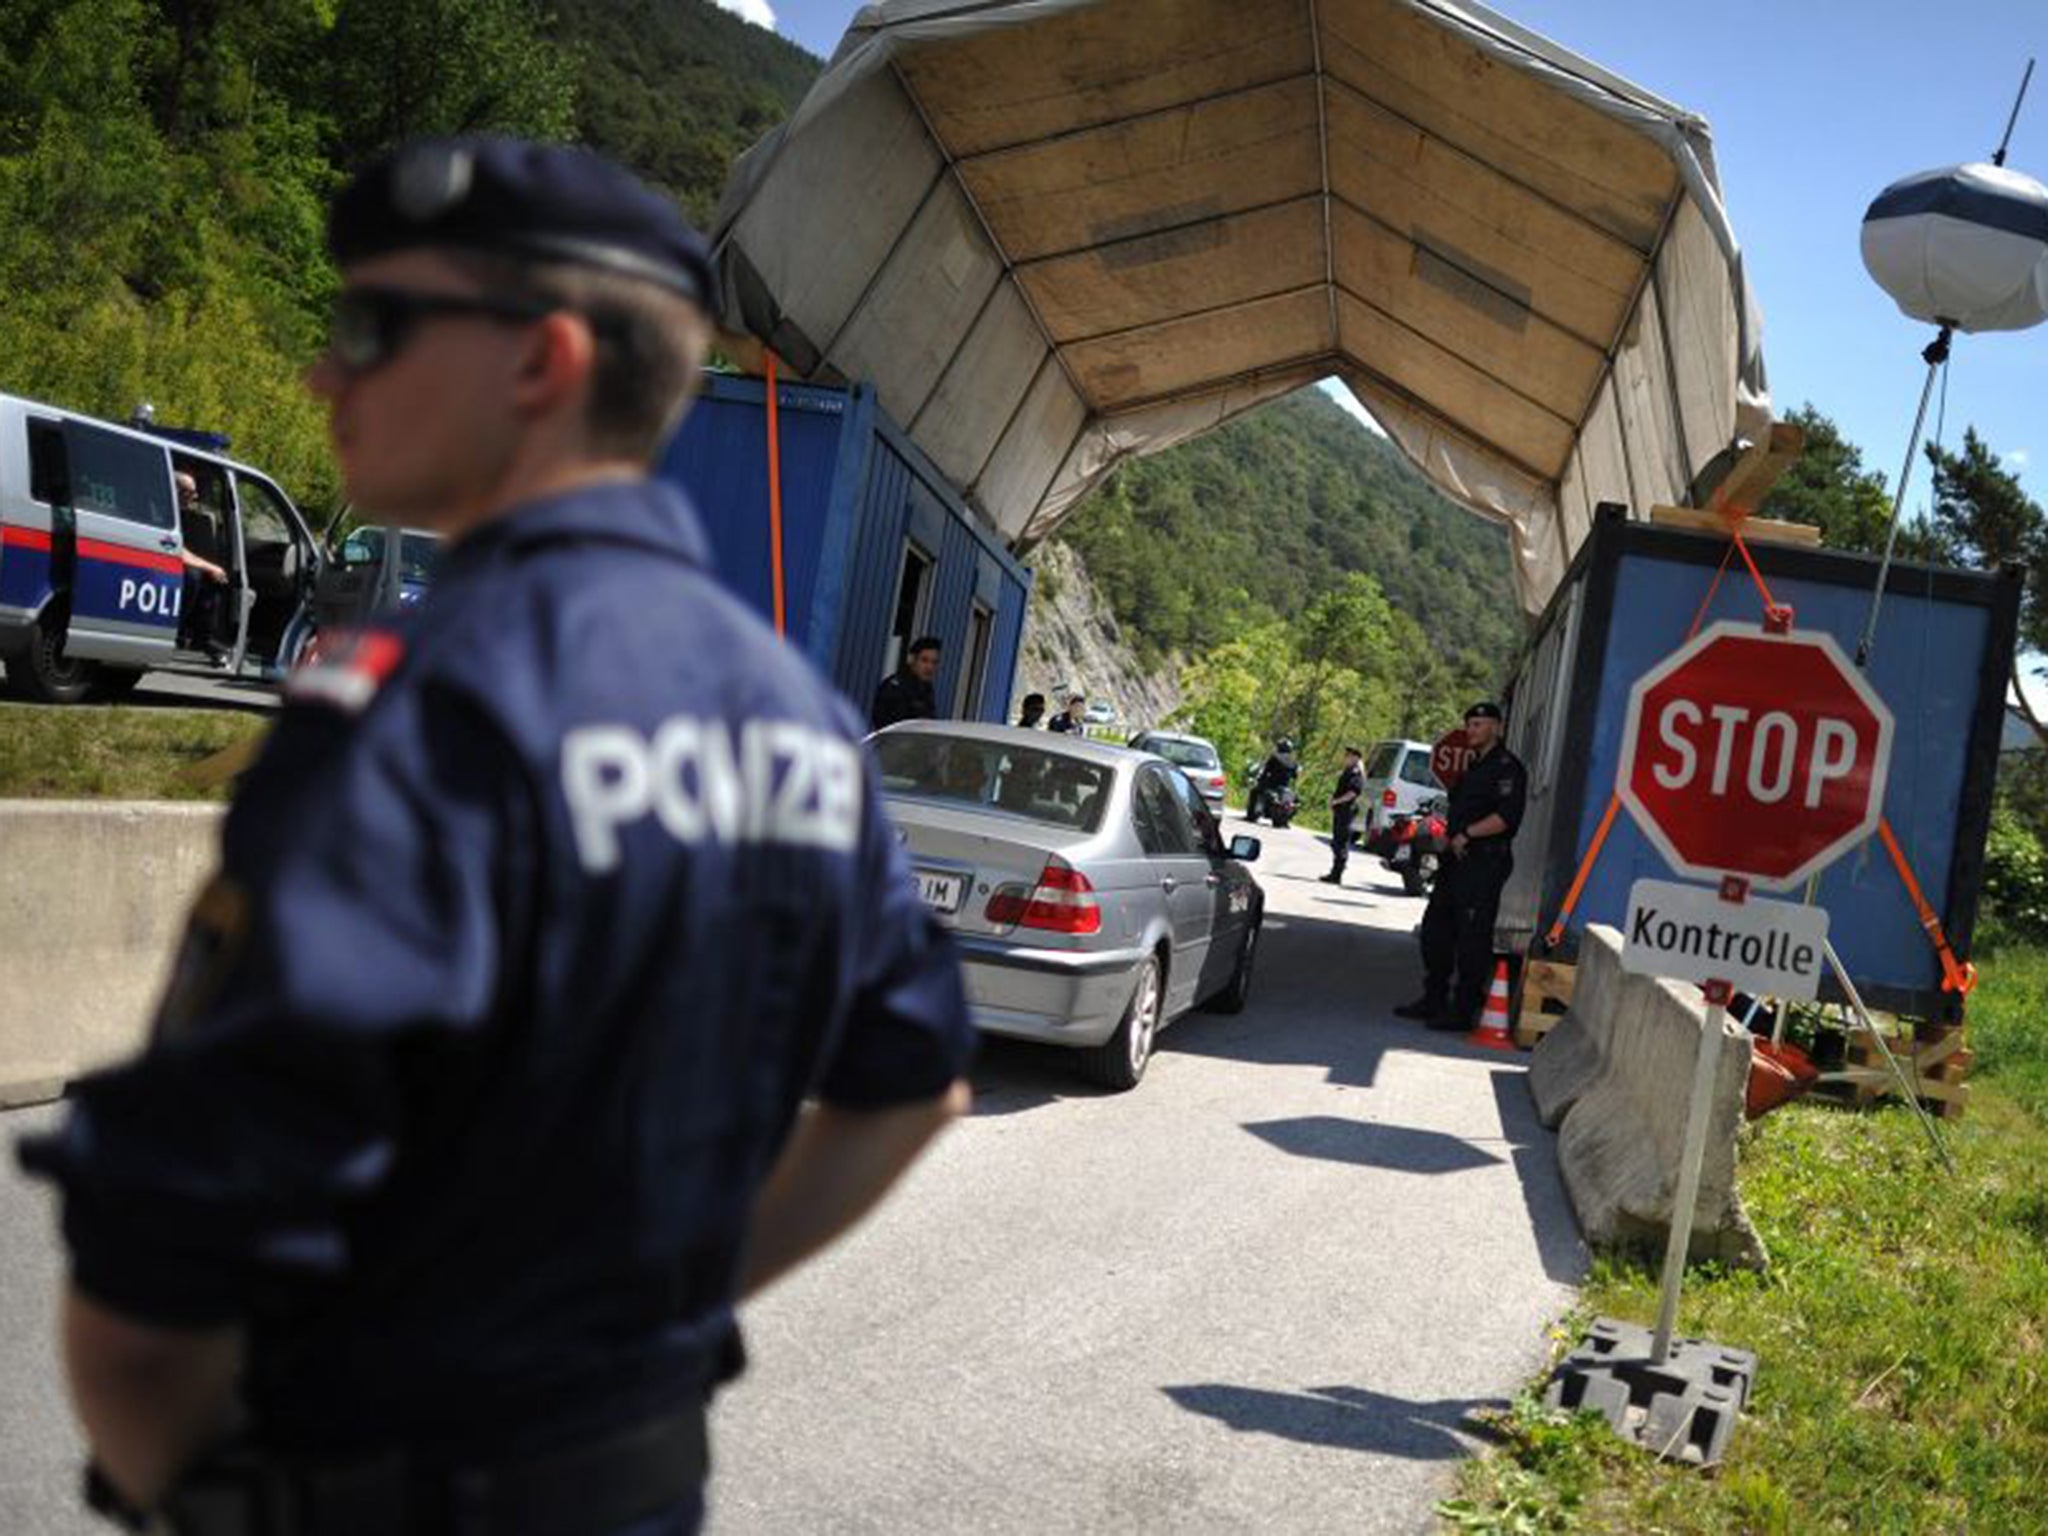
point(1397, 781)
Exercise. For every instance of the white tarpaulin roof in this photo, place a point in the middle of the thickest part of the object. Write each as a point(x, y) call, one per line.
point(1055, 233)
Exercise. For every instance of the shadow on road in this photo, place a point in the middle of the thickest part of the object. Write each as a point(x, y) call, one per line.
point(1400, 1148)
point(1534, 1150)
point(1011, 1076)
point(1347, 1418)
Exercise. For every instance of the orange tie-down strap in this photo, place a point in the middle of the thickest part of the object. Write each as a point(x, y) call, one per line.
point(1958, 976)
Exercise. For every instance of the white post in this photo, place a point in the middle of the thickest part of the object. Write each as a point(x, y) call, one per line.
point(1705, 1070)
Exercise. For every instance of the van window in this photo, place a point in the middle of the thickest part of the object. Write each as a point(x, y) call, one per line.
point(263, 520)
point(119, 476)
point(1381, 764)
point(49, 478)
point(1415, 770)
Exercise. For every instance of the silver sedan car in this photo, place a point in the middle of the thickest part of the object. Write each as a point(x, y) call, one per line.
point(1088, 888)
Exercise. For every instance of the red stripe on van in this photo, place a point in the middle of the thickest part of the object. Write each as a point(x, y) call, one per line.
point(26, 538)
point(121, 554)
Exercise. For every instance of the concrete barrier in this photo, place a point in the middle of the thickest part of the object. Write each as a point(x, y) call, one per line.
point(93, 896)
point(1615, 1078)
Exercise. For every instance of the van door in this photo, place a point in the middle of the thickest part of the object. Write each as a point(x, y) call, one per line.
point(126, 571)
point(32, 482)
point(278, 566)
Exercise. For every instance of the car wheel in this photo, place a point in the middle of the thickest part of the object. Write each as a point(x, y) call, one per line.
point(43, 674)
point(1233, 997)
point(1281, 818)
point(1121, 1059)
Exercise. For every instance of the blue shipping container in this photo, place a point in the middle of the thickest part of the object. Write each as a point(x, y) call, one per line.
point(1940, 661)
point(877, 547)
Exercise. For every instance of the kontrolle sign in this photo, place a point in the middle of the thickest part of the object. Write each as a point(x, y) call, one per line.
point(1755, 754)
point(1774, 947)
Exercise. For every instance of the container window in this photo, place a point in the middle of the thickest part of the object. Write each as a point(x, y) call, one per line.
point(913, 597)
point(974, 676)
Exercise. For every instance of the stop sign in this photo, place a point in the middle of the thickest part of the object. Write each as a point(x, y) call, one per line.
point(1754, 754)
point(1451, 756)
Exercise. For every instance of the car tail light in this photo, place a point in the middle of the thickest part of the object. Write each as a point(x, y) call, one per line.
point(1062, 902)
point(1215, 781)
point(1388, 798)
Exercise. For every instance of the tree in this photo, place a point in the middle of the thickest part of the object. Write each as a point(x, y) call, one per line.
point(1983, 518)
point(402, 68)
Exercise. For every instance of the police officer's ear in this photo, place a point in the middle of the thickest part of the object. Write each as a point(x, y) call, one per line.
point(557, 356)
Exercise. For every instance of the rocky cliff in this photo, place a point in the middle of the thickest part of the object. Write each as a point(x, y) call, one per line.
point(1073, 644)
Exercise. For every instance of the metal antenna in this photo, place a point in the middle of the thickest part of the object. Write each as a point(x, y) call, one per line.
point(1999, 158)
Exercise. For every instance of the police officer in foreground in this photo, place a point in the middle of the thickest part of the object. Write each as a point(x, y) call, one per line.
point(1457, 926)
point(473, 1102)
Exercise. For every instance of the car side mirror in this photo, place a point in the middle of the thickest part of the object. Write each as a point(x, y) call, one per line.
point(1245, 848)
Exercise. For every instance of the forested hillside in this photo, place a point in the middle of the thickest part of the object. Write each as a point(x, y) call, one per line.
point(678, 88)
point(1267, 514)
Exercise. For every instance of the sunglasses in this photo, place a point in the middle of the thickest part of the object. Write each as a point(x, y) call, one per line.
point(371, 326)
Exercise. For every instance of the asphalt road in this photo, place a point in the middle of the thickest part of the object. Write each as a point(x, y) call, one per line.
point(196, 690)
point(1261, 1292)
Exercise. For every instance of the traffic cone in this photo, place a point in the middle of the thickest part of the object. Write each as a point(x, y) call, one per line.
point(1493, 1023)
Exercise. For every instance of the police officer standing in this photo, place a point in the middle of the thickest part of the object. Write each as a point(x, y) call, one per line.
point(1343, 807)
point(1457, 926)
point(474, 1102)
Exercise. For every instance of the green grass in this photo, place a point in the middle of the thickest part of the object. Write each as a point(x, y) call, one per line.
point(1902, 1329)
point(117, 753)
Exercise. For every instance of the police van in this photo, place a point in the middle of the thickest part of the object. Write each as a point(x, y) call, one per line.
point(94, 552)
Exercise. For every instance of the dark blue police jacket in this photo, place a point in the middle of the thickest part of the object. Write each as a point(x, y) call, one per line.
point(539, 916)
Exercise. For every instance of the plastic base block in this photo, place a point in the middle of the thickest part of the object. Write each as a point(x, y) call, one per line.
point(1681, 1409)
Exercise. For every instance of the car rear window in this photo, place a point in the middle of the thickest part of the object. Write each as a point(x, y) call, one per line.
point(1185, 754)
point(1415, 770)
point(1381, 764)
point(1041, 786)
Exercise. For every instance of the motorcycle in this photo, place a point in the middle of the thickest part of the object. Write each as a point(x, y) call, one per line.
point(1276, 802)
point(1414, 846)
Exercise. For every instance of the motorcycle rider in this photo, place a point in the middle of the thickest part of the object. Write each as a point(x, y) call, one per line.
point(1275, 774)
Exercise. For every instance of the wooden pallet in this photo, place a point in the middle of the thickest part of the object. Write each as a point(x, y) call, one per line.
point(1546, 995)
point(1937, 1065)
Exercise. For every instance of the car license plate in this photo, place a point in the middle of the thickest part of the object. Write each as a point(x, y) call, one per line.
point(941, 892)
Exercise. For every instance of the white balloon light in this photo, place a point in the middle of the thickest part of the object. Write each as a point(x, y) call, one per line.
point(1964, 246)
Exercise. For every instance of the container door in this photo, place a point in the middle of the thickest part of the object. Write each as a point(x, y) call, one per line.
point(127, 574)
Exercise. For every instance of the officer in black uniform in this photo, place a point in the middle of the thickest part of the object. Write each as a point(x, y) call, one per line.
point(474, 1101)
point(1457, 926)
point(906, 693)
point(1343, 808)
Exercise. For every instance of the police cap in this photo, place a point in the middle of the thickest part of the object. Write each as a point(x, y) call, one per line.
point(510, 197)
point(1485, 709)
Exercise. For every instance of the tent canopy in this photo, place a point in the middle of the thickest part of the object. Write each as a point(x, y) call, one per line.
point(1056, 233)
